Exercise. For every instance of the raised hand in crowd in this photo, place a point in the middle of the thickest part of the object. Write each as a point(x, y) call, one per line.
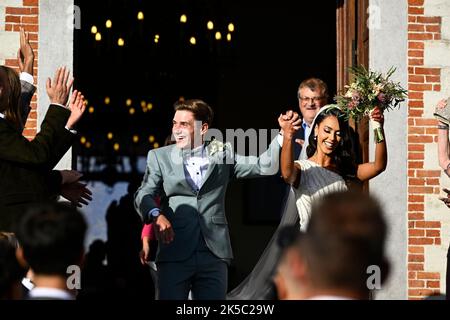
point(25, 55)
point(77, 106)
point(58, 90)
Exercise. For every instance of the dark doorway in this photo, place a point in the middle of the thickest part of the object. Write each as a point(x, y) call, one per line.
point(248, 81)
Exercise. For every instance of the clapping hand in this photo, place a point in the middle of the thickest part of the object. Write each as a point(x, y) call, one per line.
point(77, 193)
point(77, 106)
point(69, 176)
point(73, 190)
point(25, 55)
point(58, 91)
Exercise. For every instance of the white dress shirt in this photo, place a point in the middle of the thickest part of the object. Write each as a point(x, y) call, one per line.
point(51, 293)
point(195, 164)
point(307, 130)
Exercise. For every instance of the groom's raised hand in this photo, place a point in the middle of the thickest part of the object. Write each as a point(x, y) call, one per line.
point(289, 123)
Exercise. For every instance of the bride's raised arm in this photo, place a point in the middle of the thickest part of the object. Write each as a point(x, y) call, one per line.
point(290, 124)
point(369, 170)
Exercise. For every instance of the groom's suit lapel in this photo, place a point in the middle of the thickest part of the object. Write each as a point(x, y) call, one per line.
point(211, 166)
point(178, 168)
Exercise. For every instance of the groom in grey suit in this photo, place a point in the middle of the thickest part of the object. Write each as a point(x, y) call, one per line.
point(190, 178)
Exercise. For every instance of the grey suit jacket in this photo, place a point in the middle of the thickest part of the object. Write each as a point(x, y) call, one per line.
point(193, 213)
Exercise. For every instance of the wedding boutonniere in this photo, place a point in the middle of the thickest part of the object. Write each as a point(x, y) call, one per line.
point(216, 146)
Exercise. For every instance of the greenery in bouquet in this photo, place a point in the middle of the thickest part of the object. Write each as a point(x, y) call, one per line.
point(368, 90)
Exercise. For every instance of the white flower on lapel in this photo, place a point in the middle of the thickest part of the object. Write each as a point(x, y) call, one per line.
point(216, 146)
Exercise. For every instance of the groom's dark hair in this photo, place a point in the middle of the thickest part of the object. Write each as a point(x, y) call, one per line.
point(201, 110)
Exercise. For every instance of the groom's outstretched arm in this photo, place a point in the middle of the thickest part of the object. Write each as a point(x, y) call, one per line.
point(266, 164)
point(150, 189)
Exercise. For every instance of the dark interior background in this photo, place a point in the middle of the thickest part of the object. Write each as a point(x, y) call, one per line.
point(248, 82)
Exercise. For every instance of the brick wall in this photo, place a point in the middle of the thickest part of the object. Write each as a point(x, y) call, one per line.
point(428, 218)
point(14, 13)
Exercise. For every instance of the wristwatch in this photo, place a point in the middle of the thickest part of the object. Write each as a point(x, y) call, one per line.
point(154, 214)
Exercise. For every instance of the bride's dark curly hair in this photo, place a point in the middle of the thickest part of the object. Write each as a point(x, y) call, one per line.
point(343, 156)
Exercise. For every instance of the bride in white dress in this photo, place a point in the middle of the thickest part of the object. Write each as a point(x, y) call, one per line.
point(329, 166)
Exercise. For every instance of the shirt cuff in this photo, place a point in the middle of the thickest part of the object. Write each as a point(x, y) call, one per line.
point(280, 139)
point(71, 130)
point(25, 76)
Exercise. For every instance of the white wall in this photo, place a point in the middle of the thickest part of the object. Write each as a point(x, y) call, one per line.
point(388, 47)
point(55, 49)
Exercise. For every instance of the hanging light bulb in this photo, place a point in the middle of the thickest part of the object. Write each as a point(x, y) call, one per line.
point(91, 109)
point(193, 41)
point(110, 136)
point(83, 140)
point(132, 111)
point(183, 18)
point(156, 145)
point(107, 100)
point(120, 42)
point(151, 139)
point(94, 30)
point(116, 147)
point(218, 35)
point(98, 36)
point(156, 40)
point(108, 24)
point(135, 138)
point(231, 27)
point(140, 15)
point(210, 25)
point(228, 36)
point(129, 102)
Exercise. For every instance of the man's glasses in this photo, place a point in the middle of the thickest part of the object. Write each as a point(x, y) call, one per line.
point(311, 100)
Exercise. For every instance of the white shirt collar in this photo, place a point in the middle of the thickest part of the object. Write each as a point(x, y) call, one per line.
point(50, 293)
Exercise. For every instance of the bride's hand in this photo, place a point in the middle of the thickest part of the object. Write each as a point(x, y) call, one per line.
point(377, 115)
point(289, 123)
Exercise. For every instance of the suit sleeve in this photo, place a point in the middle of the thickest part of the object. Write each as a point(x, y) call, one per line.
point(16, 148)
point(266, 164)
point(26, 94)
point(150, 189)
point(53, 180)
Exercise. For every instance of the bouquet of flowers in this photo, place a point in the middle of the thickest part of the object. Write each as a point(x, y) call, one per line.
point(369, 90)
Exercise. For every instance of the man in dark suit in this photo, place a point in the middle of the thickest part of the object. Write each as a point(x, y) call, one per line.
point(191, 177)
point(24, 164)
point(63, 182)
